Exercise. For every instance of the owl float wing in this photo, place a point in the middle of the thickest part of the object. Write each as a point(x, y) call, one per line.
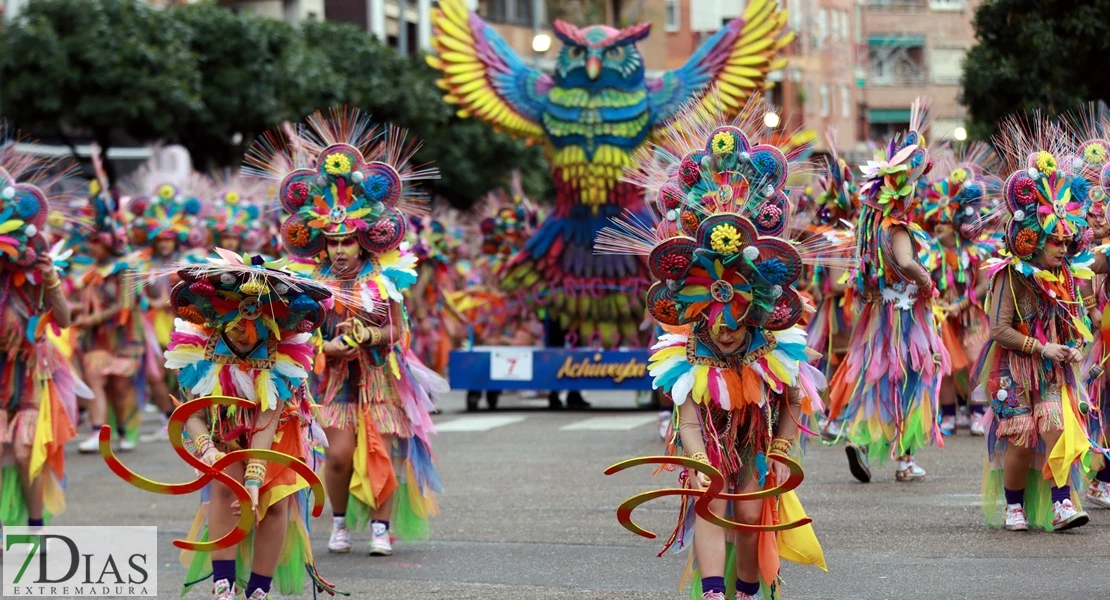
point(483, 75)
point(736, 60)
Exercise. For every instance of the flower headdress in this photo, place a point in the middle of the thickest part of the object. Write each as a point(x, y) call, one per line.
point(1045, 192)
point(341, 177)
point(512, 220)
point(168, 214)
point(890, 179)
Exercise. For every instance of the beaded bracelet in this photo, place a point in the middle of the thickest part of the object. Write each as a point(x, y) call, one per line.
point(202, 443)
point(700, 457)
point(375, 336)
point(255, 473)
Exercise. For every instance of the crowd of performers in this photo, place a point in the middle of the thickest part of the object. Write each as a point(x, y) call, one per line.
point(887, 306)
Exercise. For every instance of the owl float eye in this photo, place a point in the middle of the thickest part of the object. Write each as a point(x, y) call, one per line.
point(615, 53)
point(577, 53)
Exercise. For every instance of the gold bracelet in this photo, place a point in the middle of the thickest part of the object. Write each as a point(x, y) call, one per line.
point(375, 336)
point(1027, 345)
point(700, 457)
point(781, 445)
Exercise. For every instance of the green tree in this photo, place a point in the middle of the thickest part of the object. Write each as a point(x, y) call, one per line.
point(249, 72)
point(99, 68)
point(1035, 54)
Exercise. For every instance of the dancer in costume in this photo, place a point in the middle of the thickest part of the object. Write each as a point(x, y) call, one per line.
point(885, 391)
point(591, 114)
point(438, 326)
point(829, 329)
point(952, 210)
point(735, 361)
point(245, 331)
point(1029, 370)
point(160, 231)
point(1093, 126)
point(107, 318)
point(37, 385)
point(345, 216)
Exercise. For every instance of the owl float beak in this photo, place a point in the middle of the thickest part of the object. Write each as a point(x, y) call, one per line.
point(593, 67)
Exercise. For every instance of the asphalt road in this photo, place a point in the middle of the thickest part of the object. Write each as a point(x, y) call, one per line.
point(529, 514)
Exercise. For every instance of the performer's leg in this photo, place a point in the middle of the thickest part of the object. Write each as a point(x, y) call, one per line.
point(160, 391)
point(98, 382)
point(339, 468)
point(269, 539)
point(223, 514)
point(709, 549)
point(948, 404)
point(32, 489)
point(747, 544)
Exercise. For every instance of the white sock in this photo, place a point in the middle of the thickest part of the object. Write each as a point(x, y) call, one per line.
point(339, 522)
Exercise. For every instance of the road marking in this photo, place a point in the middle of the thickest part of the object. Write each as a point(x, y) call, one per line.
point(621, 423)
point(482, 423)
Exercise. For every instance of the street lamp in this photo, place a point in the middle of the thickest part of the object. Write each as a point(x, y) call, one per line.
point(960, 134)
point(770, 120)
point(541, 43)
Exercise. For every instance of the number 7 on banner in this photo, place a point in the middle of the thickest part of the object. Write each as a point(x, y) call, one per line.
point(510, 364)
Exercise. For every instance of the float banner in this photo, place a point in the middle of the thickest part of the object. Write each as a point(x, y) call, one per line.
point(517, 368)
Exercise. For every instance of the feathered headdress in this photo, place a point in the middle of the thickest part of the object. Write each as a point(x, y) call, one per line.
point(27, 184)
point(170, 213)
point(890, 179)
point(340, 176)
point(959, 195)
point(1045, 191)
point(236, 210)
point(836, 199)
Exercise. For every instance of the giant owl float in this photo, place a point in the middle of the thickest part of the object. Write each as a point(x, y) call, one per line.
point(592, 114)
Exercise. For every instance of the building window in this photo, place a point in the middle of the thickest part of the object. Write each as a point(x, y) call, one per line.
point(794, 14)
point(845, 102)
point(672, 17)
point(947, 64)
point(822, 28)
point(896, 64)
point(824, 101)
point(513, 12)
point(946, 4)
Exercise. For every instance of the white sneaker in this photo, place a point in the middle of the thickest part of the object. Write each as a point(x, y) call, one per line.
point(379, 542)
point(224, 590)
point(1015, 518)
point(713, 596)
point(259, 595)
point(1065, 516)
point(830, 430)
point(162, 435)
point(977, 428)
point(947, 424)
point(91, 445)
point(340, 540)
point(126, 445)
point(907, 470)
point(963, 418)
point(1099, 494)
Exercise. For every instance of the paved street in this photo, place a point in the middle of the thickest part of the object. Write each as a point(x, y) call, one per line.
point(528, 514)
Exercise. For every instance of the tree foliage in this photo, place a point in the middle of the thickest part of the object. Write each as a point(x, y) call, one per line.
point(200, 74)
point(1036, 54)
point(96, 66)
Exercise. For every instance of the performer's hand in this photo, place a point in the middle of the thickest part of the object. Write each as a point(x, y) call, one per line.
point(780, 471)
point(699, 480)
point(1061, 353)
point(335, 348)
point(211, 456)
